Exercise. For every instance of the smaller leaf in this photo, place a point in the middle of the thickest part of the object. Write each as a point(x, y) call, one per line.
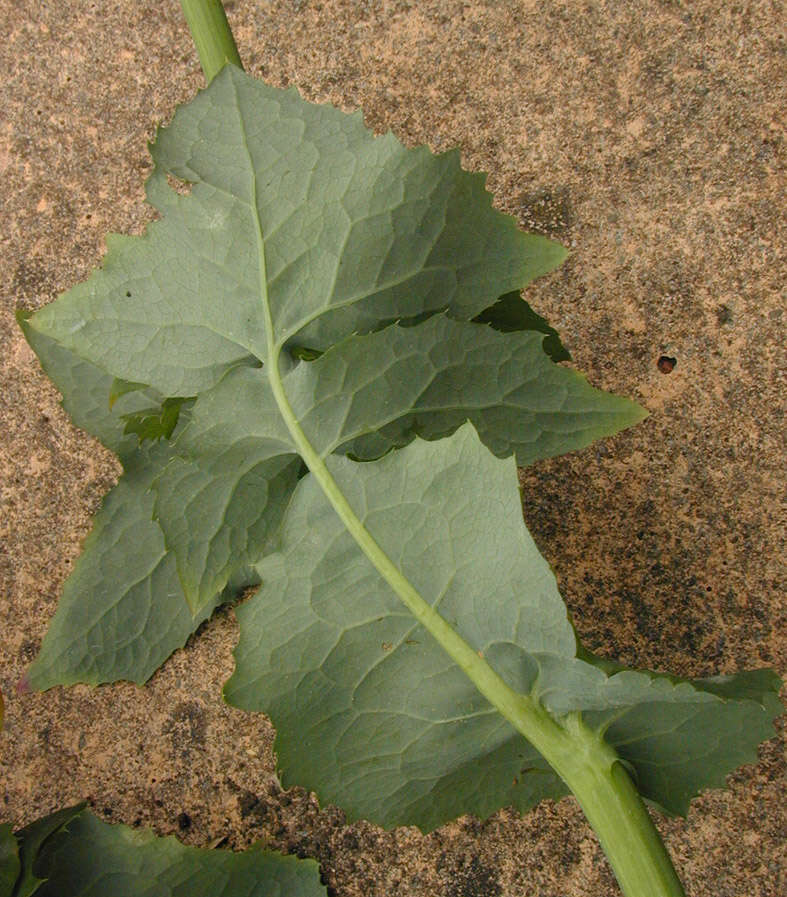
point(31, 840)
point(9, 860)
point(89, 858)
point(511, 312)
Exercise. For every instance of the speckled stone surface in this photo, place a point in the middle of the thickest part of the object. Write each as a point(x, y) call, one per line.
point(646, 136)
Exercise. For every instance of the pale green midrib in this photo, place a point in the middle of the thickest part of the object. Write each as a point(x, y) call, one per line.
point(585, 762)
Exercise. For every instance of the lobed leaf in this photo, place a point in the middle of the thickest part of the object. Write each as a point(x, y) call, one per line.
point(324, 294)
point(341, 233)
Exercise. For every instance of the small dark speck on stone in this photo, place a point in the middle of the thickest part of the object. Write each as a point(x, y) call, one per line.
point(474, 880)
point(666, 364)
point(724, 314)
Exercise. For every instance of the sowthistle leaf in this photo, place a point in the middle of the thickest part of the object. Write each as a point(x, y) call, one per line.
point(346, 315)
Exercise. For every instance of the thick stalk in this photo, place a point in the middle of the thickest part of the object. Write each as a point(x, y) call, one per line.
point(616, 812)
point(210, 29)
point(581, 757)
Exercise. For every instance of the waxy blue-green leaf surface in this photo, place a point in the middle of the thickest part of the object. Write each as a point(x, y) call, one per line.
point(95, 401)
point(372, 715)
point(297, 218)
point(123, 610)
point(305, 237)
point(74, 854)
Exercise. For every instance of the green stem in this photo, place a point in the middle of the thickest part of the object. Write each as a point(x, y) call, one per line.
point(208, 24)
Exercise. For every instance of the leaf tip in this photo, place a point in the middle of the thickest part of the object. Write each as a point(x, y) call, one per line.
point(638, 412)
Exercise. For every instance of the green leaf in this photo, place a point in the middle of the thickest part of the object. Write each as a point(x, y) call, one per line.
point(511, 313)
point(9, 860)
point(74, 854)
point(154, 423)
point(373, 715)
point(93, 859)
point(122, 611)
point(31, 839)
point(223, 497)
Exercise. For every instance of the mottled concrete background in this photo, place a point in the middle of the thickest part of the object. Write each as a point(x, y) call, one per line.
point(647, 136)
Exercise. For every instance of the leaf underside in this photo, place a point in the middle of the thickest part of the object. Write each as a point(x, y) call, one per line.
point(176, 314)
point(372, 715)
point(377, 286)
point(74, 854)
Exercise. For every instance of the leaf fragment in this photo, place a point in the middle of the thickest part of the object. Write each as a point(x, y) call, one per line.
point(154, 423)
point(9, 860)
point(512, 313)
point(121, 387)
point(73, 854)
